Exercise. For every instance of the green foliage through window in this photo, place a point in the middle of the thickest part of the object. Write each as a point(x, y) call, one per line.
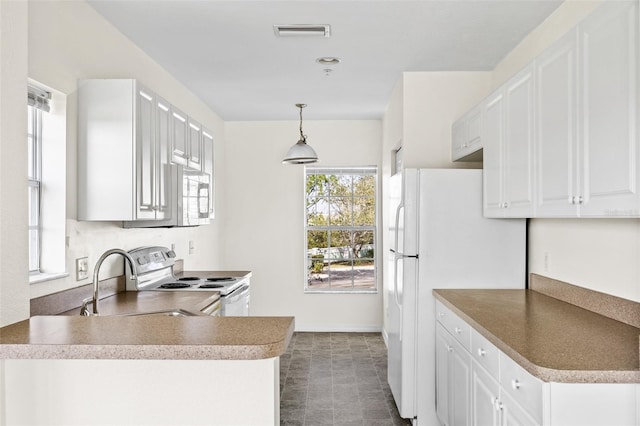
point(341, 228)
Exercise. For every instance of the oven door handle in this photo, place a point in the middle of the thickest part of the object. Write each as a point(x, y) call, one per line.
point(237, 294)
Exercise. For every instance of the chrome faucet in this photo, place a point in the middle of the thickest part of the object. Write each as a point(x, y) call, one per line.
point(84, 310)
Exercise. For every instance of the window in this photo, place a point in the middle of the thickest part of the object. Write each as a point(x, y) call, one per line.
point(341, 229)
point(37, 103)
point(46, 168)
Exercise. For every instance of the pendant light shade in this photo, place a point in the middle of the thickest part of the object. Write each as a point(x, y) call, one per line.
point(301, 153)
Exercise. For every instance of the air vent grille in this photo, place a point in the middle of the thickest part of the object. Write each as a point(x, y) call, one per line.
point(302, 30)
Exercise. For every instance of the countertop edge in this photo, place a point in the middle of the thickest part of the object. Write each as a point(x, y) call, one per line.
point(544, 373)
point(151, 351)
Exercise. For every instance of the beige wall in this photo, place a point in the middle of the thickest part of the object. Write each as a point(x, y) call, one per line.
point(600, 254)
point(68, 41)
point(14, 292)
point(264, 225)
point(432, 101)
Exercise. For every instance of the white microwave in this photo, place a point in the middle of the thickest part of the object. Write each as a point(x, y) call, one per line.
point(190, 200)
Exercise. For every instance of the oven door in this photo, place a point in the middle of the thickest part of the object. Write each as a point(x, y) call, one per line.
point(236, 304)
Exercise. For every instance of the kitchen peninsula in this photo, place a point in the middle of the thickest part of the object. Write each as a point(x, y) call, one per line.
point(157, 370)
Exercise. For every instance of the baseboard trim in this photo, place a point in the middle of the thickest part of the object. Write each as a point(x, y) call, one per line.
point(338, 328)
point(385, 337)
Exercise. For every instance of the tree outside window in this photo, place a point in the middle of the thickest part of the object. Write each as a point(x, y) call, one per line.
point(341, 229)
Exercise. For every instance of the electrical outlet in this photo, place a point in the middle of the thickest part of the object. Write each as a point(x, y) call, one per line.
point(546, 261)
point(192, 247)
point(82, 268)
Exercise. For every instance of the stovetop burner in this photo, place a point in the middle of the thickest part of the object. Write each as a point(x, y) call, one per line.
point(189, 279)
point(220, 279)
point(175, 285)
point(211, 286)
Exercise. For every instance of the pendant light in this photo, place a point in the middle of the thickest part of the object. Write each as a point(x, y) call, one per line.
point(301, 153)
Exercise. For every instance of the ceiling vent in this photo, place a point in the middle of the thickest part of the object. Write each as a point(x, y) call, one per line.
point(302, 30)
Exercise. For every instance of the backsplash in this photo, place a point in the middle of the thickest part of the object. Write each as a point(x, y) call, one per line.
point(62, 301)
point(617, 308)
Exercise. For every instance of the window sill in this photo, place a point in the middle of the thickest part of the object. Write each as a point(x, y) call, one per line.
point(46, 276)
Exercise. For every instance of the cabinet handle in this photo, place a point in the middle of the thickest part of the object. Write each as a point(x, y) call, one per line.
point(481, 352)
point(449, 348)
point(458, 330)
point(497, 404)
point(572, 200)
point(441, 314)
point(515, 384)
point(579, 199)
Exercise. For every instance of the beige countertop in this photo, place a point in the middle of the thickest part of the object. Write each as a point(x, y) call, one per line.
point(152, 337)
point(113, 336)
point(553, 340)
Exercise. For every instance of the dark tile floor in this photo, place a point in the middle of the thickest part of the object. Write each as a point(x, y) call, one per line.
point(336, 379)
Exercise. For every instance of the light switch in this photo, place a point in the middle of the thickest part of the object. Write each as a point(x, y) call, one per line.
point(82, 268)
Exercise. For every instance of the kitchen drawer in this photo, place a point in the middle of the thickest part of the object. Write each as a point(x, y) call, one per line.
point(485, 353)
point(525, 389)
point(454, 325)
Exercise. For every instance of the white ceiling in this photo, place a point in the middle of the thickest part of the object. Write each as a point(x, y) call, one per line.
point(226, 51)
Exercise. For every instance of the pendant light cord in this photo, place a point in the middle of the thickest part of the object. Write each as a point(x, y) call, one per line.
point(302, 137)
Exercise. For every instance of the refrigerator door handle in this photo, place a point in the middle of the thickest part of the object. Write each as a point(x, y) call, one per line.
point(397, 225)
point(395, 291)
point(404, 256)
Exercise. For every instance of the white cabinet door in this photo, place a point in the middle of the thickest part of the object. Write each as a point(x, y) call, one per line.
point(443, 347)
point(458, 138)
point(163, 144)
point(610, 151)
point(484, 398)
point(493, 141)
point(556, 129)
point(194, 155)
point(459, 386)
point(518, 145)
point(466, 136)
point(145, 154)
point(453, 372)
point(179, 137)
point(513, 414)
point(474, 129)
point(208, 167)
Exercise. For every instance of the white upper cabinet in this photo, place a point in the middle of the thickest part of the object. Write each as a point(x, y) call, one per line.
point(179, 137)
point(163, 142)
point(508, 145)
point(570, 145)
point(493, 175)
point(556, 128)
point(518, 142)
point(186, 147)
point(207, 167)
point(608, 111)
point(194, 157)
point(121, 163)
point(466, 136)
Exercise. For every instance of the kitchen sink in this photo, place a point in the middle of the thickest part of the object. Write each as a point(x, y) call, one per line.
point(166, 313)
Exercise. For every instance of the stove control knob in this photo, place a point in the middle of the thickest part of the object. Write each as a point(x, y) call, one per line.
point(143, 260)
point(171, 253)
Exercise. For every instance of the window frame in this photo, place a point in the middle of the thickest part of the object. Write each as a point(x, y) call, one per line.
point(355, 171)
point(34, 138)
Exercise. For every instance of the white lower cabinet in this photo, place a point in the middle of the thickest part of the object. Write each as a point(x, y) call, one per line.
point(479, 385)
point(453, 372)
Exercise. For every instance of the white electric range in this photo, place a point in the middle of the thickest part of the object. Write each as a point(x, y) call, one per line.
point(154, 271)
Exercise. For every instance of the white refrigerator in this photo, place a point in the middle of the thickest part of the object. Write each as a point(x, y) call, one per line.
point(439, 239)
